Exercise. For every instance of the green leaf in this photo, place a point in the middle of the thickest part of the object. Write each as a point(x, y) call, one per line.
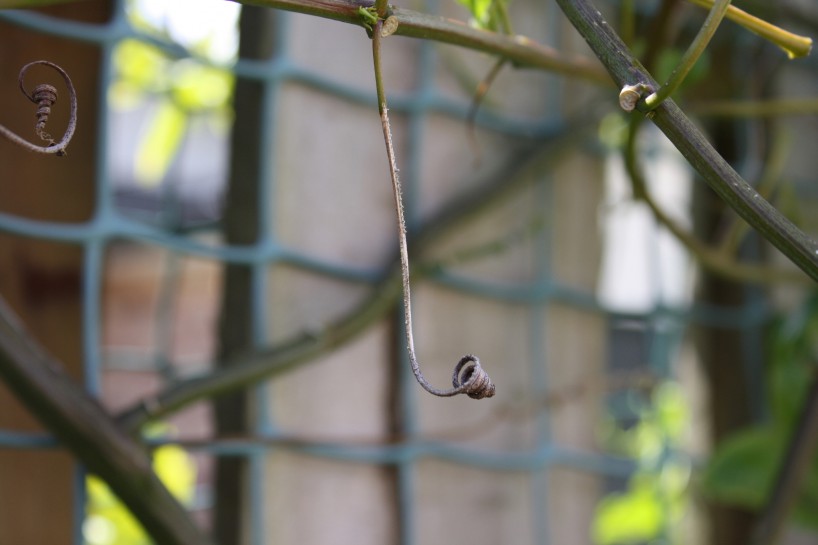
point(794, 345)
point(671, 409)
point(175, 469)
point(140, 69)
point(109, 522)
point(479, 9)
point(633, 517)
point(486, 13)
point(742, 470)
point(669, 60)
point(197, 87)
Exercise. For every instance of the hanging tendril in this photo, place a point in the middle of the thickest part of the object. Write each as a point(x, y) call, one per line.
point(44, 96)
point(469, 377)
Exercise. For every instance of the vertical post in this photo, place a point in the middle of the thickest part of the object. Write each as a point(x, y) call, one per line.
point(242, 223)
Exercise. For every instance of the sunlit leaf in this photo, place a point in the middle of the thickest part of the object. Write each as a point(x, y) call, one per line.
point(484, 13)
point(174, 468)
point(198, 87)
point(141, 67)
point(109, 522)
point(636, 516)
point(671, 409)
point(478, 8)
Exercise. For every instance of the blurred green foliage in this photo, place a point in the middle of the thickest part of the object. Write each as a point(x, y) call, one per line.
point(488, 14)
point(174, 92)
point(655, 499)
point(109, 522)
point(743, 467)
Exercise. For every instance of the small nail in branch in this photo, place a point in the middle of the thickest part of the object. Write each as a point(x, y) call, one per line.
point(468, 377)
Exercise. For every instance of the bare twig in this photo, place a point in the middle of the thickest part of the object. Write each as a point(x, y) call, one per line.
point(469, 377)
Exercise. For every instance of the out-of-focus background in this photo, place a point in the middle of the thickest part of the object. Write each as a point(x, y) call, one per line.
point(227, 191)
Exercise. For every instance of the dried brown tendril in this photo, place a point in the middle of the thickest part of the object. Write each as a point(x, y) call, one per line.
point(44, 96)
point(469, 377)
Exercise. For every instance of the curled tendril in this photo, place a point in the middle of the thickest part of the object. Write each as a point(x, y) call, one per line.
point(44, 96)
point(469, 377)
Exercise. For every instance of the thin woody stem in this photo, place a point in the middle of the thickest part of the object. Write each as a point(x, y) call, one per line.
point(697, 47)
point(793, 44)
point(468, 378)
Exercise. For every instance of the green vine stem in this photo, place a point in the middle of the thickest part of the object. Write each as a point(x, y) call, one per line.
point(792, 44)
point(688, 139)
point(694, 51)
point(767, 184)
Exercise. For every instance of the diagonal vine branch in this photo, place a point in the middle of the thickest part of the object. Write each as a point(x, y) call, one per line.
point(625, 69)
point(83, 426)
